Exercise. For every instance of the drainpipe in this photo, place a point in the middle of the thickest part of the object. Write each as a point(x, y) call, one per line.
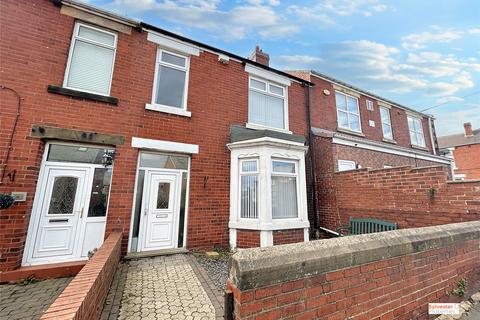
point(12, 132)
point(313, 182)
point(430, 128)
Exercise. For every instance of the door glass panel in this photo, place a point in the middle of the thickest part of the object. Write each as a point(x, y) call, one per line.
point(63, 153)
point(163, 195)
point(154, 160)
point(183, 200)
point(100, 191)
point(63, 195)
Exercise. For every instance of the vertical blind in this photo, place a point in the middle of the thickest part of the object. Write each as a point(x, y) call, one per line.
point(91, 62)
point(249, 190)
point(266, 104)
point(284, 190)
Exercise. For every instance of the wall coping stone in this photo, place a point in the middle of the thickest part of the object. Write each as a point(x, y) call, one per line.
point(260, 267)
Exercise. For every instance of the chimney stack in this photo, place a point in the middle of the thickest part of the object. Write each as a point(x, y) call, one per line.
point(468, 129)
point(259, 56)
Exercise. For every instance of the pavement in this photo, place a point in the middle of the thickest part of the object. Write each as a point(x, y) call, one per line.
point(163, 287)
point(31, 300)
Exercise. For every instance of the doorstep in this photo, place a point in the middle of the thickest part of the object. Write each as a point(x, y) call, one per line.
point(154, 253)
point(43, 271)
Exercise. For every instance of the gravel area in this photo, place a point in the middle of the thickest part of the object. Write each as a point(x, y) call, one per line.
point(216, 268)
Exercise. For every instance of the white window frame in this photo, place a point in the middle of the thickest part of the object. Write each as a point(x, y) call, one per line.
point(369, 104)
point(75, 37)
point(240, 175)
point(268, 83)
point(285, 174)
point(389, 123)
point(410, 130)
point(346, 162)
point(158, 62)
point(348, 112)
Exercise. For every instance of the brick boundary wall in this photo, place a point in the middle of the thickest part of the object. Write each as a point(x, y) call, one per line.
point(387, 275)
point(411, 197)
point(288, 236)
point(83, 298)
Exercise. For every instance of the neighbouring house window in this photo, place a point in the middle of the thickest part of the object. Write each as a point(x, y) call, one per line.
point(249, 189)
point(91, 59)
point(344, 165)
point(416, 131)
point(171, 78)
point(284, 190)
point(348, 112)
point(386, 123)
point(267, 104)
point(369, 105)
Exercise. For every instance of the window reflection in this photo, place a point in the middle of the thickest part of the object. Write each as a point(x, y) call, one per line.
point(100, 190)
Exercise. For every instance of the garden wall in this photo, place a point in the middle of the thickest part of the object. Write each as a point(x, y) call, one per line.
point(387, 275)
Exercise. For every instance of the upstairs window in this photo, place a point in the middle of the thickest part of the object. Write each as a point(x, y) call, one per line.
point(416, 131)
point(348, 112)
point(171, 78)
point(386, 123)
point(284, 190)
point(369, 105)
point(267, 104)
point(91, 59)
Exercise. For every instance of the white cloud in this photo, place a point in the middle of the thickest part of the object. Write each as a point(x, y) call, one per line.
point(417, 41)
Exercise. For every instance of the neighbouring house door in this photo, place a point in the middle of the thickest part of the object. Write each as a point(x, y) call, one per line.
point(161, 211)
point(61, 211)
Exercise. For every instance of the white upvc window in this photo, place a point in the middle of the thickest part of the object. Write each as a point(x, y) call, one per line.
point(369, 105)
point(248, 188)
point(348, 113)
point(267, 104)
point(386, 123)
point(90, 60)
point(284, 189)
point(344, 165)
point(416, 131)
point(170, 85)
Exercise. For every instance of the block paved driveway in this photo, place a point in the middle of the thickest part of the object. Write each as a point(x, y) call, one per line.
point(164, 287)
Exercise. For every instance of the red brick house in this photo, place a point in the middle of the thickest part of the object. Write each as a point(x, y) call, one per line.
point(464, 149)
point(110, 124)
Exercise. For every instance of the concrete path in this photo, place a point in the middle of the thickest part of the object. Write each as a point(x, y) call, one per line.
point(165, 287)
point(29, 301)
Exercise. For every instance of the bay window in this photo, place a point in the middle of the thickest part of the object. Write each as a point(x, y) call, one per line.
point(267, 104)
point(348, 113)
point(91, 59)
point(416, 131)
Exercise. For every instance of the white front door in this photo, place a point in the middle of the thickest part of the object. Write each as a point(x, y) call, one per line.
point(63, 193)
point(161, 207)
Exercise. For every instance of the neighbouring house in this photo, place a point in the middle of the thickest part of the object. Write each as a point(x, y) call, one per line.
point(464, 149)
point(111, 124)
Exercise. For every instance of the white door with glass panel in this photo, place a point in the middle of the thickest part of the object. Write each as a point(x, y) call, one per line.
point(60, 213)
point(161, 211)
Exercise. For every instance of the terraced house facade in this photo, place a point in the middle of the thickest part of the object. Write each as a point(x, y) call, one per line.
point(110, 124)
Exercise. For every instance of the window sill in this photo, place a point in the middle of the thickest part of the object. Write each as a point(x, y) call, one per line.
point(81, 94)
point(165, 109)
point(419, 147)
point(260, 127)
point(389, 140)
point(274, 224)
point(357, 133)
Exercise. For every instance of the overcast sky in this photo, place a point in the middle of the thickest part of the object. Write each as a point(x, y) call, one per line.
point(418, 53)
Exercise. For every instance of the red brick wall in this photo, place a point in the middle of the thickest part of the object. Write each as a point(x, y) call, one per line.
point(324, 115)
point(467, 160)
point(84, 296)
point(35, 55)
point(399, 287)
point(288, 236)
point(248, 239)
point(404, 195)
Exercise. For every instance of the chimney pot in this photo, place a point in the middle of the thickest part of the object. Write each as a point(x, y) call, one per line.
point(259, 56)
point(468, 129)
